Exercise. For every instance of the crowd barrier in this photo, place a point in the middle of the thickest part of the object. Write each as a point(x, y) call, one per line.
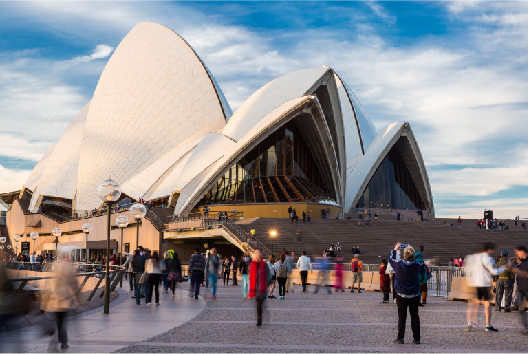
point(461, 291)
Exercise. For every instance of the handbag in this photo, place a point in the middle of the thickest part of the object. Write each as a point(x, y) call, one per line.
point(174, 276)
point(143, 278)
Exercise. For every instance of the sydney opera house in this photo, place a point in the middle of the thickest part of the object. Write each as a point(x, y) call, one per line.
point(159, 124)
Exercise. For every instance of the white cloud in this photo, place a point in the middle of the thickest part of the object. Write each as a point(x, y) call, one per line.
point(101, 51)
point(10, 180)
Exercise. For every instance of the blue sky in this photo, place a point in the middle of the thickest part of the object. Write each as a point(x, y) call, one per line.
point(457, 71)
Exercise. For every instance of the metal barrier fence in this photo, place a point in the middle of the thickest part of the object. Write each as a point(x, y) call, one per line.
point(442, 279)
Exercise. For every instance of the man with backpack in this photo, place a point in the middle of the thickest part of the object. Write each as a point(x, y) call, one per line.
point(282, 269)
point(422, 278)
point(357, 272)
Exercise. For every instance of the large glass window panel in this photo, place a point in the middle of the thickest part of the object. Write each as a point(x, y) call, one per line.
point(288, 152)
point(272, 161)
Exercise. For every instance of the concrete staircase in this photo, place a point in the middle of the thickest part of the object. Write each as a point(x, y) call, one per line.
point(440, 241)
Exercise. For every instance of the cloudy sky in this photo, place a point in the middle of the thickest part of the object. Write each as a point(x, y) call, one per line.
point(457, 71)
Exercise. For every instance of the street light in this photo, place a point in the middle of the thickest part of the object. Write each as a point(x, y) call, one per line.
point(2, 241)
point(34, 235)
point(16, 238)
point(57, 232)
point(272, 235)
point(138, 212)
point(86, 228)
point(122, 222)
point(109, 191)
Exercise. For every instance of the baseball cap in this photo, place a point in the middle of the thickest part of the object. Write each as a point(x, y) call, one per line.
point(504, 253)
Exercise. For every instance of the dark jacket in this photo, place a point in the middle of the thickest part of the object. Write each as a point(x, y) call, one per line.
point(505, 274)
point(197, 263)
point(522, 281)
point(138, 264)
point(235, 263)
point(406, 275)
point(244, 265)
point(174, 266)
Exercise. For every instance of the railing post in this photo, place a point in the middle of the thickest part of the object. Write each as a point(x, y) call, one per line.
point(438, 281)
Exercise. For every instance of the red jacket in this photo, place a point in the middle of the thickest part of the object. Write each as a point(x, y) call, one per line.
point(261, 289)
point(384, 278)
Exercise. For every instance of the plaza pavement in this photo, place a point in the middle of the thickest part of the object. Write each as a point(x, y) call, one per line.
point(340, 322)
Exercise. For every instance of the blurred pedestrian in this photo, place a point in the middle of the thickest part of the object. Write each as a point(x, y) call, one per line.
point(304, 264)
point(504, 285)
point(244, 271)
point(175, 272)
point(152, 268)
point(234, 268)
point(165, 272)
point(259, 277)
point(211, 270)
point(290, 260)
point(479, 269)
point(407, 287)
point(339, 275)
point(196, 268)
point(384, 282)
point(323, 266)
point(522, 283)
point(273, 276)
point(281, 268)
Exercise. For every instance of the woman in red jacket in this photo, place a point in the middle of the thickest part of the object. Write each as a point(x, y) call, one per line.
point(259, 278)
point(384, 282)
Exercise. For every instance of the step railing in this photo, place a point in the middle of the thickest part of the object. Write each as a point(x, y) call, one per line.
point(241, 235)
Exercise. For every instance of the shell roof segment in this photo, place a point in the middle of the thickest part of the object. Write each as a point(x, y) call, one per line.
point(153, 94)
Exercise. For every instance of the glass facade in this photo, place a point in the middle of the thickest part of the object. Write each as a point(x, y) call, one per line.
point(392, 186)
point(280, 169)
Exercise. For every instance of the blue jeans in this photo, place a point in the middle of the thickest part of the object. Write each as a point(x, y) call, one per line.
point(245, 285)
point(137, 286)
point(212, 281)
point(166, 282)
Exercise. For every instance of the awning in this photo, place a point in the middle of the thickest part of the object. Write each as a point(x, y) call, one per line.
point(34, 223)
point(100, 245)
point(93, 245)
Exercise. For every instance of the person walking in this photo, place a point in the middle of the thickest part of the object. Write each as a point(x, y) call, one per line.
point(244, 271)
point(357, 271)
point(234, 267)
point(304, 217)
point(129, 270)
point(196, 268)
point(152, 268)
point(323, 265)
point(504, 285)
point(309, 218)
point(339, 275)
point(175, 272)
point(273, 276)
point(165, 272)
point(479, 269)
point(282, 268)
point(407, 287)
point(138, 268)
point(290, 260)
point(384, 282)
point(459, 222)
point(227, 269)
point(259, 277)
point(522, 283)
point(211, 269)
point(304, 264)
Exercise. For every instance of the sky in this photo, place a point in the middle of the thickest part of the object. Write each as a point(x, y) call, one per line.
point(457, 71)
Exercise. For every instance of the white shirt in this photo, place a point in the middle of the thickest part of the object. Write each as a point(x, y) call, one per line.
point(479, 269)
point(304, 263)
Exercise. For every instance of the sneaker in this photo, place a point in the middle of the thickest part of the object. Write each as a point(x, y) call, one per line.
point(416, 341)
point(259, 322)
point(352, 290)
point(64, 346)
point(399, 341)
point(421, 305)
point(359, 291)
point(469, 327)
point(196, 297)
point(214, 297)
point(148, 304)
point(491, 329)
point(384, 302)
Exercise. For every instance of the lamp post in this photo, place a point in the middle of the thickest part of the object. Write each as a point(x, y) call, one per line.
point(2, 241)
point(109, 191)
point(138, 212)
point(122, 222)
point(16, 238)
point(272, 235)
point(86, 228)
point(34, 235)
point(57, 232)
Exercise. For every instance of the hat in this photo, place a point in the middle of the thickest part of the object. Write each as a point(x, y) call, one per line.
point(504, 253)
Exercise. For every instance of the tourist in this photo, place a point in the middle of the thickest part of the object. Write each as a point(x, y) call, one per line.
point(211, 270)
point(422, 278)
point(152, 268)
point(273, 276)
point(407, 287)
point(451, 263)
point(398, 217)
point(392, 276)
point(298, 233)
point(129, 270)
point(290, 260)
point(375, 216)
point(309, 218)
point(384, 282)
point(357, 272)
point(504, 285)
point(234, 268)
point(480, 267)
point(165, 272)
point(196, 268)
point(227, 269)
point(138, 268)
point(175, 272)
point(281, 269)
point(290, 209)
point(323, 265)
point(304, 264)
point(62, 290)
point(304, 216)
point(292, 216)
point(421, 248)
point(522, 283)
point(244, 271)
point(459, 222)
point(338, 247)
point(259, 278)
point(339, 275)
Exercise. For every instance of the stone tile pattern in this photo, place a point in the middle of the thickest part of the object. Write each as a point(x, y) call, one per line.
point(153, 94)
point(340, 322)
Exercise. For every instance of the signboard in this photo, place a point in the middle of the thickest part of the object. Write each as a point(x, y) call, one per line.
point(488, 214)
point(25, 247)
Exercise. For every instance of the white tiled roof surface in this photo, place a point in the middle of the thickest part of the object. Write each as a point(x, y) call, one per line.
point(153, 94)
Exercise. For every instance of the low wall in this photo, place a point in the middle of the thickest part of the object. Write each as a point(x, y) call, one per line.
point(461, 291)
